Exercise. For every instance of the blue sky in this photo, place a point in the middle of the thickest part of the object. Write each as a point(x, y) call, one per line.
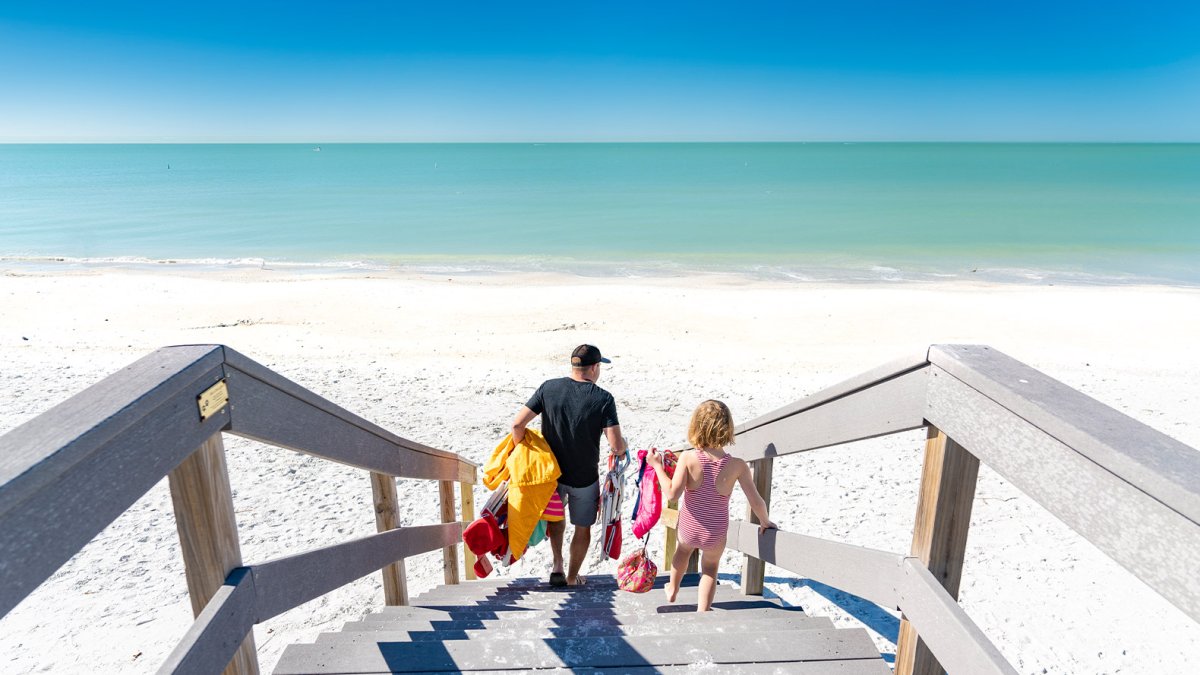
point(563, 71)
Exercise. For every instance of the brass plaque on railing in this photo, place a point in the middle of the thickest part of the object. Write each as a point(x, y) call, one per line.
point(212, 400)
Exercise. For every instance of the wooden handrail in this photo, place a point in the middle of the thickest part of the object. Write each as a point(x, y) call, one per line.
point(68, 473)
point(256, 593)
point(1120, 484)
point(887, 579)
point(108, 445)
point(850, 387)
point(1146, 458)
point(267, 407)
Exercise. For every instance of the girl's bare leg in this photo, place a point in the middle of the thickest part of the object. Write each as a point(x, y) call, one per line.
point(678, 566)
point(710, 559)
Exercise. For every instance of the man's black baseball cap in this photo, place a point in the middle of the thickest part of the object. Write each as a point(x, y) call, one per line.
point(587, 355)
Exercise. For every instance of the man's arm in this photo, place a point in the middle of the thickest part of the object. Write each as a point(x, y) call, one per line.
point(616, 440)
point(524, 417)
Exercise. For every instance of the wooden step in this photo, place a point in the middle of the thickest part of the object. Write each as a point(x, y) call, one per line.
point(513, 613)
point(579, 599)
point(542, 584)
point(853, 667)
point(416, 631)
point(549, 619)
point(613, 652)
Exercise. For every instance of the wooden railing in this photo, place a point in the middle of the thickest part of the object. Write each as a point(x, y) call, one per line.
point(71, 471)
point(1130, 490)
point(65, 475)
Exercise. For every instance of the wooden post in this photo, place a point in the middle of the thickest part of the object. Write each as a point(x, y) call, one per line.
point(208, 534)
point(670, 520)
point(387, 517)
point(467, 492)
point(449, 554)
point(753, 569)
point(948, 482)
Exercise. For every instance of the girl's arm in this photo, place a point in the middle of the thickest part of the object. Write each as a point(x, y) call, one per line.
point(672, 486)
point(757, 505)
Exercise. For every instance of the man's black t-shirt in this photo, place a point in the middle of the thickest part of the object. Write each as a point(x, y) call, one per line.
point(574, 415)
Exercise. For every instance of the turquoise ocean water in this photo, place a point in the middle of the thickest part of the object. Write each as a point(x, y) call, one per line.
point(1086, 213)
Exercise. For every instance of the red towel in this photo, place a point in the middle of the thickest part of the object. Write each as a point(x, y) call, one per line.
point(612, 540)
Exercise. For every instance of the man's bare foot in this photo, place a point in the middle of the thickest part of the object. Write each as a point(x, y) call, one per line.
point(579, 580)
point(671, 591)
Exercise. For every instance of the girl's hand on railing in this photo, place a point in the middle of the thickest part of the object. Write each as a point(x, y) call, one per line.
point(767, 526)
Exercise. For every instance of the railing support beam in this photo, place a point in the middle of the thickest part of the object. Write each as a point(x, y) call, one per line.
point(387, 517)
point(467, 493)
point(208, 534)
point(754, 569)
point(948, 481)
point(449, 553)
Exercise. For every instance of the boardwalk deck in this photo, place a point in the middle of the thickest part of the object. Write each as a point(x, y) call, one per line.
point(523, 624)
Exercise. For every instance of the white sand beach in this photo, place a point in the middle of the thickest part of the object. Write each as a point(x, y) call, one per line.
point(447, 361)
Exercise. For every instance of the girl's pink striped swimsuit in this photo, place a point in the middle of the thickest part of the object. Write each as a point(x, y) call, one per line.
point(704, 518)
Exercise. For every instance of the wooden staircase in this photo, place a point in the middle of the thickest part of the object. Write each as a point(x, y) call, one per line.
point(524, 624)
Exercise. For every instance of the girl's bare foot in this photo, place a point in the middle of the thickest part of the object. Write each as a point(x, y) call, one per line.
point(671, 590)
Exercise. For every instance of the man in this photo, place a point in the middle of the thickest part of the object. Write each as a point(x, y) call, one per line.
point(575, 412)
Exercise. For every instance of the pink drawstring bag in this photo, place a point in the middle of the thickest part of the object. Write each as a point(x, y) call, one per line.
point(636, 572)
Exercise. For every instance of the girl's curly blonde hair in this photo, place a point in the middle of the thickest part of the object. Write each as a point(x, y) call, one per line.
point(711, 426)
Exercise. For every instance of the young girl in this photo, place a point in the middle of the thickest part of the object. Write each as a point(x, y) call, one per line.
point(705, 477)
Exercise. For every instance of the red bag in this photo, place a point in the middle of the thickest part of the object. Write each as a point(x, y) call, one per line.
point(636, 572)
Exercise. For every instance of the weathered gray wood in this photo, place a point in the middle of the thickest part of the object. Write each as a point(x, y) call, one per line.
point(626, 652)
point(541, 584)
point(958, 643)
point(1148, 459)
point(858, 667)
point(101, 450)
point(448, 593)
point(754, 569)
point(739, 607)
point(853, 386)
point(271, 408)
point(501, 595)
point(292, 581)
point(208, 536)
point(589, 617)
point(864, 572)
point(505, 613)
point(1154, 542)
point(876, 667)
point(948, 478)
point(76, 428)
point(885, 407)
point(254, 594)
point(411, 631)
point(387, 517)
point(261, 411)
point(219, 629)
